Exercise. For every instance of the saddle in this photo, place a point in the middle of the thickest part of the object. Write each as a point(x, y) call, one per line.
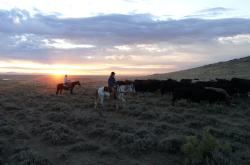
point(67, 86)
point(109, 90)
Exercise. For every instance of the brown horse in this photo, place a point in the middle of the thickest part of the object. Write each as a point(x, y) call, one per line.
point(61, 87)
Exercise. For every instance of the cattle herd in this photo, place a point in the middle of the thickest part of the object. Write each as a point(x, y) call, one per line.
point(219, 90)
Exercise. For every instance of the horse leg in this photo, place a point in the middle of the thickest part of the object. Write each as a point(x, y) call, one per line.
point(57, 91)
point(102, 108)
point(102, 98)
point(120, 96)
point(116, 105)
point(123, 101)
point(96, 99)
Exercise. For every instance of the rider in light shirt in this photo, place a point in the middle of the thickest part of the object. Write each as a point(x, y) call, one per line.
point(66, 80)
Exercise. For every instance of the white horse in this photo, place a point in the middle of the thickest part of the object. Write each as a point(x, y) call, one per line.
point(103, 92)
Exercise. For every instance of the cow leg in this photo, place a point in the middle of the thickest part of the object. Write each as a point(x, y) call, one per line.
point(162, 92)
point(173, 101)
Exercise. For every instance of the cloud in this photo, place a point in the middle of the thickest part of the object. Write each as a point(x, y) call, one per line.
point(123, 47)
point(237, 39)
point(212, 13)
point(119, 38)
point(62, 44)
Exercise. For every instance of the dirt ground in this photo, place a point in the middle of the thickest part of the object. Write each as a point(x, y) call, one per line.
point(39, 127)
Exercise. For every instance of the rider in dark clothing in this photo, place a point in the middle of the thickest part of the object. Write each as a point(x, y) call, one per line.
point(111, 81)
point(112, 84)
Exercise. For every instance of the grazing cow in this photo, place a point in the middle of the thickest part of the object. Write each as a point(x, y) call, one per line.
point(219, 83)
point(186, 81)
point(168, 86)
point(147, 85)
point(126, 82)
point(242, 86)
point(218, 94)
point(103, 92)
point(197, 94)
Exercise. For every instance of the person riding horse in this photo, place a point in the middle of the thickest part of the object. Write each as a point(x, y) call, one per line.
point(112, 85)
point(67, 81)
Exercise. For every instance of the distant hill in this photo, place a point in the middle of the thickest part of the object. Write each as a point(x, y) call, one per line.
point(233, 68)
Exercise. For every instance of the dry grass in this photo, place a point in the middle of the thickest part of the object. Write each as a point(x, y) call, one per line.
point(67, 129)
point(225, 70)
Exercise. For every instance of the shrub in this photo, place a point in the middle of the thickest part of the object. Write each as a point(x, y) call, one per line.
point(56, 134)
point(206, 151)
point(175, 119)
point(83, 146)
point(171, 144)
point(137, 144)
point(57, 116)
point(147, 115)
point(27, 156)
point(107, 151)
point(6, 130)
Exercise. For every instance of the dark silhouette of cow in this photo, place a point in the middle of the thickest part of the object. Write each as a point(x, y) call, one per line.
point(147, 85)
point(242, 86)
point(197, 94)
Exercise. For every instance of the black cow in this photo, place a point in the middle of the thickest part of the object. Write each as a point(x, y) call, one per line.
point(242, 86)
point(197, 94)
point(126, 82)
point(219, 83)
point(168, 86)
point(186, 81)
point(147, 85)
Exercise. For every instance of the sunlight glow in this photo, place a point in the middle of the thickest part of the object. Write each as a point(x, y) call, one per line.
point(28, 67)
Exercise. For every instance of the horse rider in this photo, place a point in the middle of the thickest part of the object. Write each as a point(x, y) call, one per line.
point(67, 81)
point(112, 85)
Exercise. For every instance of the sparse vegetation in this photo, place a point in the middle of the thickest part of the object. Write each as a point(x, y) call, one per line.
point(26, 156)
point(148, 130)
point(206, 150)
point(228, 69)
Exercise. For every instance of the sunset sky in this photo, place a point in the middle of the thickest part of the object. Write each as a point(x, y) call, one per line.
point(95, 37)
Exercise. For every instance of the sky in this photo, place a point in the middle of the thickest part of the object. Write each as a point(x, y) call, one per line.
point(130, 37)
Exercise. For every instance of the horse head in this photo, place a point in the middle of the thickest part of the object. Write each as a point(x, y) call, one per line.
point(78, 83)
point(106, 89)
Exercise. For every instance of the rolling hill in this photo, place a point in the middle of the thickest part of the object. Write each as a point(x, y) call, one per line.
point(233, 68)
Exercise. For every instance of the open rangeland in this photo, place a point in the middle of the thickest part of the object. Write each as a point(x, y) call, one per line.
point(38, 127)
